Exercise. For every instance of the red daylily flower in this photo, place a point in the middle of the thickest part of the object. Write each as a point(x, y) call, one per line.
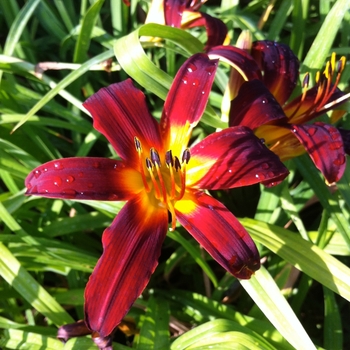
point(158, 174)
point(184, 14)
point(268, 79)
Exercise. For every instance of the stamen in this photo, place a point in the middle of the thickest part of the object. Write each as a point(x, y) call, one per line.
point(138, 144)
point(149, 166)
point(177, 164)
point(139, 152)
point(155, 157)
point(173, 216)
point(169, 160)
point(162, 185)
point(186, 155)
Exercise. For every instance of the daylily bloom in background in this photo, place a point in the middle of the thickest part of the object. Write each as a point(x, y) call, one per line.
point(269, 83)
point(161, 178)
point(184, 14)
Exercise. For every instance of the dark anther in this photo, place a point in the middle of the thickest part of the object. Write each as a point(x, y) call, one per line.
point(149, 164)
point(340, 66)
point(137, 144)
point(169, 160)
point(155, 157)
point(177, 164)
point(306, 80)
point(186, 156)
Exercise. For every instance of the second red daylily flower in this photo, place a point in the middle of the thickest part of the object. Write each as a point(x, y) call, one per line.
point(184, 14)
point(158, 174)
point(267, 83)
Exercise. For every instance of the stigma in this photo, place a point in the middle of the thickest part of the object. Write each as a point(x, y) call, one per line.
point(163, 176)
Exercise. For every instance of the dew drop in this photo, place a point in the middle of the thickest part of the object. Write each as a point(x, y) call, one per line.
point(312, 131)
point(70, 179)
point(29, 186)
point(70, 192)
point(184, 80)
point(113, 197)
point(80, 174)
point(335, 145)
point(191, 68)
point(45, 170)
point(230, 171)
point(58, 165)
point(264, 101)
point(195, 82)
point(90, 185)
point(57, 181)
point(37, 173)
point(340, 160)
point(210, 69)
point(96, 165)
point(270, 174)
point(265, 166)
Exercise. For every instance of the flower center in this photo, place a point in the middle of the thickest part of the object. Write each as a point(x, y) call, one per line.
point(166, 181)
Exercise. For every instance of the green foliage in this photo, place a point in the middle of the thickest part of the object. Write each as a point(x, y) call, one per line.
point(55, 54)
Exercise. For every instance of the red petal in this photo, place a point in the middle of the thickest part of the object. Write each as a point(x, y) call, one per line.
point(279, 65)
point(120, 113)
point(216, 29)
point(255, 106)
point(238, 58)
point(173, 10)
point(325, 146)
point(131, 248)
point(187, 98)
point(219, 233)
point(233, 157)
point(84, 178)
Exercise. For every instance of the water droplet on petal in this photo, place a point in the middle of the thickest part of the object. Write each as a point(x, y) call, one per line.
point(37, 173)
point(312, 131)
point(195, 82)
point(230, 171)
point(191, 68)
point(264, 101)
point(70, 179)
point(29, 186)
point(80, 174)
point(96, 165)
point(335, 145)
point(340, 160)
point(90, 185)
point(58, 165)
point(113, 197)
point(57, 181)
point(265, 166)
point(185, 80)
point(70, 192)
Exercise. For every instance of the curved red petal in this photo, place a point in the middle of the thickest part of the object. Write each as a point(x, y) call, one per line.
point(173, 10)
point(233, 157)
point(324, 144)
point(131, 248)
point(219, 233)
point(120, 113)
point(215, 27)
point(187, 98)
point(255, 106)
point(239, 58)
point(279, 65)
point(84, 178)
